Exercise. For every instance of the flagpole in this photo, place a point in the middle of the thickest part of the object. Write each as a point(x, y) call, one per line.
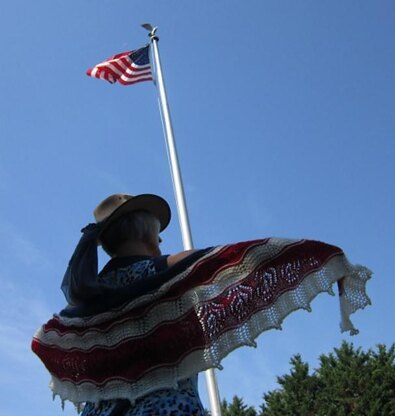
point(211, 382)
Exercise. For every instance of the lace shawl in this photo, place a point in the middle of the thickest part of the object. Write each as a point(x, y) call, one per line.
point(220, 302)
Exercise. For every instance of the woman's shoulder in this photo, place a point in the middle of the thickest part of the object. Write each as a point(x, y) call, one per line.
point(122, 271)
point(115, 263)
point(161, 263)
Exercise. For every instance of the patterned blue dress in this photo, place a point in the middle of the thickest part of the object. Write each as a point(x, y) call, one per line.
point(183, 401)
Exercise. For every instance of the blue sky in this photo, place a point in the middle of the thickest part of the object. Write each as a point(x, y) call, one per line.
point(283, 114)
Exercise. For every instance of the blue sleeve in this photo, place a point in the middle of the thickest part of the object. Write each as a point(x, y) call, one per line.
point(113, 297)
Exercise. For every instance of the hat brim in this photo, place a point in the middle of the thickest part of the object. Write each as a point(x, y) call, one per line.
point(154, 204)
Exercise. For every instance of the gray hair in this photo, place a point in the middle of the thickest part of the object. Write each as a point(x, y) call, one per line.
point(135, 226)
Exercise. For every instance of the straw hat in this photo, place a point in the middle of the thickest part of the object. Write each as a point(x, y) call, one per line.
point(117, 205)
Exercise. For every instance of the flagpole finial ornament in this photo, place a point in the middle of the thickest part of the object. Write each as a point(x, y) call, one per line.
point(152, 30)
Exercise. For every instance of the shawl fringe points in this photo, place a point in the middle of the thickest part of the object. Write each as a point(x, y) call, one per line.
point(351, 280)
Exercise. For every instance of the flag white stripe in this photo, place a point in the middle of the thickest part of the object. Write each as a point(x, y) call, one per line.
point(135, 79)
point(141, 67)
point(122, 64)
point(131, 73)
point(115, 70)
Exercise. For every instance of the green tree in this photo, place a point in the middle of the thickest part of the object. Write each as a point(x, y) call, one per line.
point(298, 393)
point(348, 382)
point(237, 408)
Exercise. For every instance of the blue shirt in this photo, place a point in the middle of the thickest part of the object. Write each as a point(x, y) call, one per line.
point(181, 401)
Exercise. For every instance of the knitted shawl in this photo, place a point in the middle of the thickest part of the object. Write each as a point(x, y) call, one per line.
point(222, 301)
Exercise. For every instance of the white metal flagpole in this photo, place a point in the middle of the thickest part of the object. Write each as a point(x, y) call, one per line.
point(212, 386)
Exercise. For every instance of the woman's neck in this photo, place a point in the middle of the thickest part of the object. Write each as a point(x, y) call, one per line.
point(137, 248)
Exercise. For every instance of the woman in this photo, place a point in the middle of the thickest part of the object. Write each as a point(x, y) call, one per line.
point(135, 335)
point(129, 233)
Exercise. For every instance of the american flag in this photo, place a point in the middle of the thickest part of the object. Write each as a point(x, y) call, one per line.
point(126, 67)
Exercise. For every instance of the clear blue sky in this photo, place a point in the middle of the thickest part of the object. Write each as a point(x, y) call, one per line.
point(283, 113)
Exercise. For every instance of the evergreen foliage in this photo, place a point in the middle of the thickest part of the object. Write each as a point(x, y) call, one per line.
point(237, 408)
point(348, 382)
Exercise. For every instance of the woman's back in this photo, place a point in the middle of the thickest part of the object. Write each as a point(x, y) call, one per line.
point(182, 401)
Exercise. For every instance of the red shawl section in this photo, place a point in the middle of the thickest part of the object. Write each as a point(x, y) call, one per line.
point(222, 301)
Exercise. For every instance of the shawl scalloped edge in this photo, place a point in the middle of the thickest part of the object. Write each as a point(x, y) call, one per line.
point(352, 286)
